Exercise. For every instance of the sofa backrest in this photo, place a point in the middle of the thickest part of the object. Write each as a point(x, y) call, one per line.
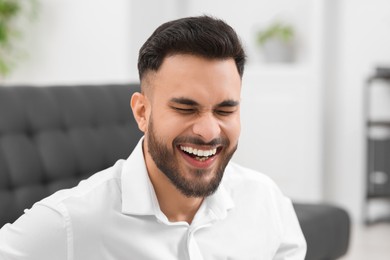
point(52, 137)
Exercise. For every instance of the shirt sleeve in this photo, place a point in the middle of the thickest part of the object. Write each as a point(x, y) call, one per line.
point(293, 243)
point(41, 233)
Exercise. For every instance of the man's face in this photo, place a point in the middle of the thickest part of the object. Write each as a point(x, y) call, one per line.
point(193, 121)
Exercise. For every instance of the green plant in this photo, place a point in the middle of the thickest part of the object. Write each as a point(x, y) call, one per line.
point(276, 30)
point(12, 13)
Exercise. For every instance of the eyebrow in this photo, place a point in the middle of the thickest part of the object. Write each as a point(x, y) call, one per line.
point(184, 101)
point(228, 103)
point(190, 102)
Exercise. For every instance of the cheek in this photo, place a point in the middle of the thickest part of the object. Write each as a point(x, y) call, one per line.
point(166, 125)
point(237, 130)
point(232, 129)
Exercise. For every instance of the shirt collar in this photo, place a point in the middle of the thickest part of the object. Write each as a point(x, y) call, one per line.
point(220, 202)
point(139, 197)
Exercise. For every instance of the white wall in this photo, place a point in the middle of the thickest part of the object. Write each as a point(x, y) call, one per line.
point(248, 16)
point(146, 16)
point(77, 42)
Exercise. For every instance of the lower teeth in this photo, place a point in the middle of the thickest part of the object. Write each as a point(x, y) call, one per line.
point(202, 159)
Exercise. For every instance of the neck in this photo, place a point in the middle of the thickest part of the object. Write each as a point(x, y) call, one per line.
point(175, 205)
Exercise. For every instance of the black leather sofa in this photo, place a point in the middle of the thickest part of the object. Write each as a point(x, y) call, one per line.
point(52, 137)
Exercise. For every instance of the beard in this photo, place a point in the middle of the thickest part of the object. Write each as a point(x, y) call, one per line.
point(166, 161)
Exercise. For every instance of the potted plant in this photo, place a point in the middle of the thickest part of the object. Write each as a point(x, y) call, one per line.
point(277, 42)
point(11, 13)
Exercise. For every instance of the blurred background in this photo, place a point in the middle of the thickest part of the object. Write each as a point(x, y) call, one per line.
point(305, 90)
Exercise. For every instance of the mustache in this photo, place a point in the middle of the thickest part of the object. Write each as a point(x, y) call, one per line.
point(198, 141)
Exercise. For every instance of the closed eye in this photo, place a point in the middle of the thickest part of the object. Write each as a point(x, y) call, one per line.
point(184, 110)
point(227, 107)
point(225, 112)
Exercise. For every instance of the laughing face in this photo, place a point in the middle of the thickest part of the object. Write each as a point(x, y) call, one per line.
point(191, 120)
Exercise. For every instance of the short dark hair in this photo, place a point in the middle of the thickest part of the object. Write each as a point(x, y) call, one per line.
point(203, 36)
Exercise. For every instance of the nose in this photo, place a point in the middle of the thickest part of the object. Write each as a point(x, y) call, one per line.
point(207, 127)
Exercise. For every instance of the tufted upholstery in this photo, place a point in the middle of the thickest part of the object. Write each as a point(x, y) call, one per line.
point(52, 137)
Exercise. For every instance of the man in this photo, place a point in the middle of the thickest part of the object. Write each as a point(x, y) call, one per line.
point(177, 196)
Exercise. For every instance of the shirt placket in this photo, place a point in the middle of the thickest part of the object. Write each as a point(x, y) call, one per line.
point(194, 252)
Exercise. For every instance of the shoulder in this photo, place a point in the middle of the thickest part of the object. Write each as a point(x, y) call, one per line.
point(55, 218)
point(253, 187)
point(255, 192)
point(240, 176)
point(20, 238)
point(265, 209)
point(90, 191)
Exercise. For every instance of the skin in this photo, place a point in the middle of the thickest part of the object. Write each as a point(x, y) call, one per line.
point(188, 99)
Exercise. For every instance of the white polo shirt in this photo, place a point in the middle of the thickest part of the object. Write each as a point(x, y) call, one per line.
point(115, 215)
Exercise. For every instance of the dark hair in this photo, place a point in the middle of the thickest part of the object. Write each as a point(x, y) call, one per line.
point(202, 36)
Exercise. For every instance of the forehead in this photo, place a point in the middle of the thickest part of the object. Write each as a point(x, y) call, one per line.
point(198, 78)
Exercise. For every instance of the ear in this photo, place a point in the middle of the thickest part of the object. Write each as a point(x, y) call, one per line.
point(139, 104)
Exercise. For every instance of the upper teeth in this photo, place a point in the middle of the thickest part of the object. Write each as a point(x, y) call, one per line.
point(199, 152)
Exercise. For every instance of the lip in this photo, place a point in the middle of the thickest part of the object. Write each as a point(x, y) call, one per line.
point(199, 164)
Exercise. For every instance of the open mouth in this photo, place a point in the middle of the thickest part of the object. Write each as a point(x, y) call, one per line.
point(200, 155)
